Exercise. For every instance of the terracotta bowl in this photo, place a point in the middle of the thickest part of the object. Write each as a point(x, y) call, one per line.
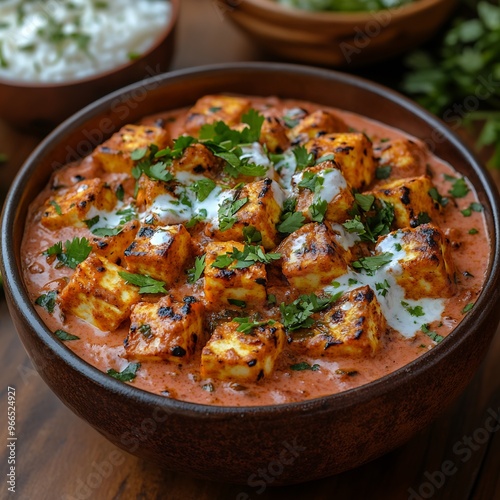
point(337, 39)
point(316, 438)
point(38, 107)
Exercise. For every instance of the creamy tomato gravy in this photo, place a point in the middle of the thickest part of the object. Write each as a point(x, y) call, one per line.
point(182, 380)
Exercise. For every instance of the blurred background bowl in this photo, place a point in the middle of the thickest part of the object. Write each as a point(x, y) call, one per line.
point(338, 38)
point(38, 107)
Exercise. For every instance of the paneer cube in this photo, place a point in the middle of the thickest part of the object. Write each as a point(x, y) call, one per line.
point(114, 155)
point(242, 357)
point(353, 153)
point(197, 159)
point(97, 294)
point(405, 157)
point(273, 135)
point(353, 327)
point(315, 125)
point(213, 108)
point(149, 189)
point(113, 247)
point(262, 210)
point(70, 207)
point(311, 258)
point(166, 330)
point(329, 185)
point(230, 287)
point(425, 265)
point(160, 252)
point(413, 205)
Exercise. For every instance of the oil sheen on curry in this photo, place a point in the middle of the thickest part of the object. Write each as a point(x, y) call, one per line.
point(254, 251)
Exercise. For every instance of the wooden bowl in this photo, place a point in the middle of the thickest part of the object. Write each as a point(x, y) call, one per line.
point(293, 442)
point(38, 107)
point(337, 39)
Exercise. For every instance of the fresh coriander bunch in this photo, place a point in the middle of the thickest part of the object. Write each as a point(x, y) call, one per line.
point(460, 80)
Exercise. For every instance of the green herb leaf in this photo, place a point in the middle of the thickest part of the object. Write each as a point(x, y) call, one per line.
point(47, 301)
point(414, 311)
point(364, 201)
point(146, 284)
point(56, 206)
point(373, 263)
point(298, 314)
point(318, 210)
point(242, 259)
point(126, 375)
point(246, 325)
point(432, 335)
point(203, 188)
point(303, 158)
point(459, 187)
point(473, 231)
point(237, 303)
point(251, 235)
point(227, 210)
point(382, 288)
point(74, 252)
point(298, 367)
point(383, 172)
point(65, 336)
point(194, 274)
point(468, 307)
point(290, 220)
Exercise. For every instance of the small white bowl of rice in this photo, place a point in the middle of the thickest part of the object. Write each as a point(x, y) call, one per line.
point(58, 55)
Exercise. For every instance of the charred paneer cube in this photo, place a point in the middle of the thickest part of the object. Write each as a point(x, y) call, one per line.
point(259, 205)
point(113, 247)
point(315, 125)
point(310, 258)
point(148, 190)
point(324, 182)
point(166, 330)
point(242, 357)
point(97, 294)
point(405, 157)
point(425, 265)
point(353, 327)
point(71, 206)
point(273, 135)
point(230, 287)
point(353, 153)
point(213, 108)
point(196, 159)
point(114, 155)
point(160, 252)
point(412, 201)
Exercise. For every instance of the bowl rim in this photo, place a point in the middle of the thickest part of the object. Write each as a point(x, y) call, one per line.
point(326, 17)
point(166, 32)
point(19, 299)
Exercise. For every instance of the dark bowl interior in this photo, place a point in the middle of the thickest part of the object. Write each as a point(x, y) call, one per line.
point(39, 107)
point(316, 438)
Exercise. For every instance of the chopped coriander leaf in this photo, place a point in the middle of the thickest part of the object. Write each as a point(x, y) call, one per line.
point(63, 335)
point(246, 325)
point(227, 210)
point(459, 187)
point(146, 284)
point(138, 154)
point(126, 375)
point(245, 258)
point(423, 218)
point(352, 282)
point(304, 366)
point(199, 217)
point(414, 311)
point(432, 335)
point(434, 194)
point(373, 263)
point(3, 62)
point(370, 227)
point(271, 298)
point(73, 252)
point(203, 188)
point(364, 201)
point(328, 157)
point(56, 206)
point(237, 303)
point(311, 181)
point(473, 207)
point(466, 212)
point(335, 284)
point(214, 109)
point(383, 172)
point(145, 329)
point(47, 301)
point(120, 192)
point(177, 150)
point(290, 220)
point(468, 307)
point(194, 274)
point(303, 158)
point(398, 247)
point(473, 231)
point(252, 235)
point(318, 210)
point(382, 288)
point(290, 122)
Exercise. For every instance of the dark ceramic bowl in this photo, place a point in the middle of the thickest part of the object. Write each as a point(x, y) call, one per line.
point(297, 441)
point(38, 107)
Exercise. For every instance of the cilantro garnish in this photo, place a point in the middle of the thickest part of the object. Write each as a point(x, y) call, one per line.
point(246, 325)
point(146, 284)
point(65, 336)
point(74, 251)
point(423, 218)
point(47, 301)
point(290, 220)
point(383, 172)
point(251, 235)
point(194, 274)
point(199, 217)
point(303, 158)
point(318, 210)
point(203, 188)
point(244, 258)
point(373, 263)
point(145, 329)
point(227, 210)
point(434, 194)
point(414, 311)
point(432, 335)
point(298, 367)
point(364, 201)
point(382, 288)
point(127, 374)
point(473, 231)
point(177, 150)
point(56, 206)
point(120, 192)
point(147, 164)
point(459, 187)
point(468, 307)
point(237, 303)
point(473, 207)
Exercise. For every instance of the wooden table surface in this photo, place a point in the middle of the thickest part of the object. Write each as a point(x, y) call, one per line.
point(61, 457)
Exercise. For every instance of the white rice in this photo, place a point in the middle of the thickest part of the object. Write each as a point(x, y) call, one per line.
point(64, 40)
